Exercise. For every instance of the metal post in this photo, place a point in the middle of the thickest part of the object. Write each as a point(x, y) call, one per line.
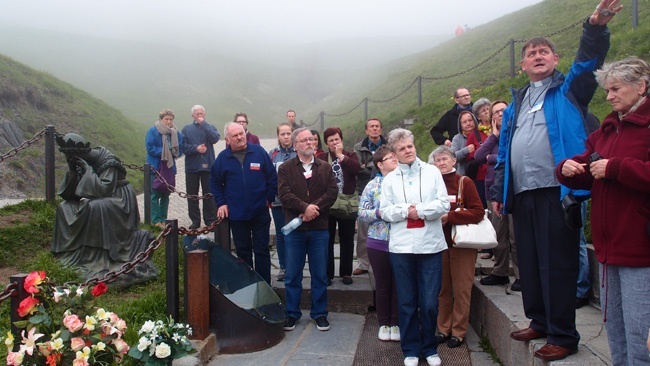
point(420, 91)
point(171, 265)
point(635, 13)
point(322, 121)
point(147, 193)
point(365, 109)
point(512, 58)
point(49, 163)
point(19, 279)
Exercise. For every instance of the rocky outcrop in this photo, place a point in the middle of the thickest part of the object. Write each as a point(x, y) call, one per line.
point(11, 135)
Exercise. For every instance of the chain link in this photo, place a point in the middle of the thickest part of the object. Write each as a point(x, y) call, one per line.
point(396, 96)
point(344, 113)
point(23, 146)
point(10, 291)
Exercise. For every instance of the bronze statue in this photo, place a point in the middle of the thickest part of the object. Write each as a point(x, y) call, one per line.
point(96, 226)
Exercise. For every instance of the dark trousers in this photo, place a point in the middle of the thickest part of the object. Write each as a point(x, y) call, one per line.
point(252, 236)
point(547, 250)
point(346, 240)
point(192, 183)
point(386, 293)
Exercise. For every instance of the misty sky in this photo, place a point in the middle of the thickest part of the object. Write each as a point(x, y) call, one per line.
point(276, 21)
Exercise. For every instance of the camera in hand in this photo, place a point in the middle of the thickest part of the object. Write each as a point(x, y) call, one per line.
point(572, 212)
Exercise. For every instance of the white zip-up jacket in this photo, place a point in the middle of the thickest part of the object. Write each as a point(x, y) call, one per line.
point(420, 184)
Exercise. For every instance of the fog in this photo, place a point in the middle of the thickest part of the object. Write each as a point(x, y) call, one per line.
point(261, 57)
point(280, 21)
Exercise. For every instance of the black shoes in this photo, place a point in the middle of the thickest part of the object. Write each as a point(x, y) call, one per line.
point(493, 280)
point(441, 338)
point(347, 280)
point(516, 286)
point(329, 282)
point(321, 324)
point(580, 302)
point(454, 342)
point(290, 324)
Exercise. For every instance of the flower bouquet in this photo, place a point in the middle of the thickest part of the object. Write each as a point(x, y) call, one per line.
point(161, 342)
point(64, 328)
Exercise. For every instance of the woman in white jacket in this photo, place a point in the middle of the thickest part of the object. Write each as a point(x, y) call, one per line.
point(413, 199)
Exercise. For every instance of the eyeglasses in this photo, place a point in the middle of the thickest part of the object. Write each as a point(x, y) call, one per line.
point(309, 139)
point(392, 157)
point(464, 96)
point(240, 122)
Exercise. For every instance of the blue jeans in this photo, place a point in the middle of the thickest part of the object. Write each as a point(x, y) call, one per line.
point(252, 236)
point(312, 243)
point(418, 278)
point(278, 220)
point(584, 285)
point(625, 302)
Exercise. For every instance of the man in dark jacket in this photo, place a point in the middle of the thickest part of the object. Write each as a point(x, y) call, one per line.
point(307, 188)
point(543, 125)
point(365, 149)
point(449, 121)
point(198, 140)
point(244, 182)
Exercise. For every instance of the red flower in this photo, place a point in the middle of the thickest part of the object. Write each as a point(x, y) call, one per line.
point(53, 359)
point(27, 306)
point(33, 280)
point(99, 289)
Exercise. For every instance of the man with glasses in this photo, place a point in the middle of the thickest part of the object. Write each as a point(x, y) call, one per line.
point(307, 188)
point(242, 119)
point(449, 121)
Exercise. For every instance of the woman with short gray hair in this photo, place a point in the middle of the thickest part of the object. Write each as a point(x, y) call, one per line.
point(616, 167)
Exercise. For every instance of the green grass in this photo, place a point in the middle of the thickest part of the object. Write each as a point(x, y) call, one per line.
point(487, 348)
point(24, 246)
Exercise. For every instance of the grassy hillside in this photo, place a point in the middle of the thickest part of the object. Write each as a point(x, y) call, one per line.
point(490, 80)
point(32, 100)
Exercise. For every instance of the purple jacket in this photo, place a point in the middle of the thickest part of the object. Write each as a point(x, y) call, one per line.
point(490, 147)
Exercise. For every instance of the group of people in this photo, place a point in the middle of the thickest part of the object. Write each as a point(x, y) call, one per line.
point(520, 160)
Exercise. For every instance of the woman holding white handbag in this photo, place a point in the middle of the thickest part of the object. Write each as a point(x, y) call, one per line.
point(457, 263)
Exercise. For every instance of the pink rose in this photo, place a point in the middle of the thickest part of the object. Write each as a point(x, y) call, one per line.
point(80, 362)
point(15, 358)
point(121, 346)
point(72, 322)
point(77, 344)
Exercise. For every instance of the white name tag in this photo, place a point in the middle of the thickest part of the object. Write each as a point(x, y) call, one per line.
point(255, 166)
point(536, 107)
point(307, 174)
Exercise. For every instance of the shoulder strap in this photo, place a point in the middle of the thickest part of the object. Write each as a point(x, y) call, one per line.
point(459, 194)
point(478, 136)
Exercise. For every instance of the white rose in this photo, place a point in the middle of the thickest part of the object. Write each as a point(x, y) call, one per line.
point(143, 343)
point(147, 327)
point(163, 350)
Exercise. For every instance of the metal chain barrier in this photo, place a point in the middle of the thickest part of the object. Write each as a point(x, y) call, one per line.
point(143, 256)
point(396, 96)
point(451, 75)
point(9, 291)
point(23, 146)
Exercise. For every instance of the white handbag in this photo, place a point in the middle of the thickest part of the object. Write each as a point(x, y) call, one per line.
point(473, 236)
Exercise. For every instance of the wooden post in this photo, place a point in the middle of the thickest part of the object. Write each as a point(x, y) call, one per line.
point(512, 58)
point(420, 91)
point(197, 290)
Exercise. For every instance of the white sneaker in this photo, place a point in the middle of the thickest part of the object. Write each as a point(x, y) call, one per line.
point(394, 333)
point(384, 333)
point(412, 361)
point(434, 360)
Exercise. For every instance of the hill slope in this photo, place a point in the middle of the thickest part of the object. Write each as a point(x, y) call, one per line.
point(31, 100)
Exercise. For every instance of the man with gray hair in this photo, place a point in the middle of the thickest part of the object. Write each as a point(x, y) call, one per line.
point(243, 182)
point(198, 140)
point(307, 188)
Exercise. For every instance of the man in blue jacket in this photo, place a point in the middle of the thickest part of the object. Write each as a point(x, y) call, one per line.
point(544, 124)
point(243, 182)
point(198, 140)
